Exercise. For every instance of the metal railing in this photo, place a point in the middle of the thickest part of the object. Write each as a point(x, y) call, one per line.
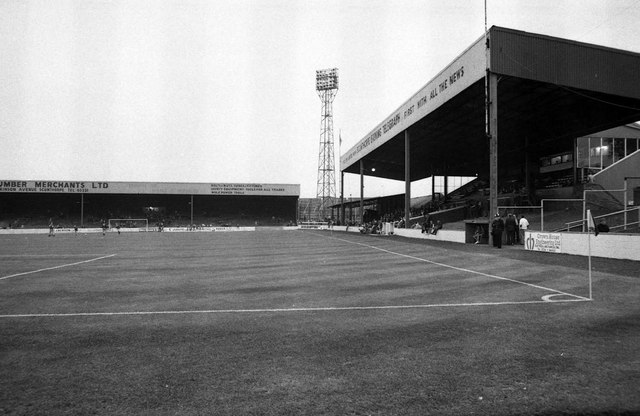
point(625, 225)
point(582, 222)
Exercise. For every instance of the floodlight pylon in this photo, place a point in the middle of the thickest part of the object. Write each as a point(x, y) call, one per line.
point(327, 88)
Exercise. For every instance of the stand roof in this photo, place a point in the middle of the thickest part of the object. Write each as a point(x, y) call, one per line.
point(550, 91)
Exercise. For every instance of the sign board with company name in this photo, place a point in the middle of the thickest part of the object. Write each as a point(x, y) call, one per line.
point(165, 188)
point(547, 242)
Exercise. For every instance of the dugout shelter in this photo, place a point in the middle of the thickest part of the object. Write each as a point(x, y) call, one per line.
point(500, 107)
point(29, 203)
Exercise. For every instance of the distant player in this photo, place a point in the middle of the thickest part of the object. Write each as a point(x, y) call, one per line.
point(75, 230)
point(51, 233)
point(118, 228)
point(104, 227)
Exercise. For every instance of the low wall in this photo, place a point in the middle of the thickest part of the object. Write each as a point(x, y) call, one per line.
point(57, 231)
point(202, 229)
point(126, 230)
point(615, 246)
point(350, 229)
point(455, 236)
point(609, 245)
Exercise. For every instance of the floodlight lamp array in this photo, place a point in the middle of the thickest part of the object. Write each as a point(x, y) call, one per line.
point(327, 79)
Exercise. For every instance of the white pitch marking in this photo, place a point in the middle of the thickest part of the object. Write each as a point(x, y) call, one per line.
point(10, 256)
point(284, 310)
point(56, 267)
point(465, 270)
point(547, 298)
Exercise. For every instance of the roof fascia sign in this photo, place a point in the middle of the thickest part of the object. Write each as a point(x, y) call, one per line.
point(166, 188)
point(463, 72)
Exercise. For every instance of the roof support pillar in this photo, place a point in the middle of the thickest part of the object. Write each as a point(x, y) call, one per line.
point(350, 211)
point(361, 192)
point(575, 159)
point(341, 215)
point(527, 168)
point(493, 144)
point(446, 185)
point(407, 179)
point(433, 187)
point(81, 210)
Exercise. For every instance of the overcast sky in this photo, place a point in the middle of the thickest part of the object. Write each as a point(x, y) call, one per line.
point(224, 90)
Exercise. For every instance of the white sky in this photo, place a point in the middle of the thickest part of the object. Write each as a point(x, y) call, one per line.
point(224, 90)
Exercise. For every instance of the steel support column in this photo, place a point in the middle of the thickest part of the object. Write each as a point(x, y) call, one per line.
point(493, 144)
point(342, 217)
point(445, 192)
point(81, 210)
point(361, 192)
point(407, 179)
point(433, 187)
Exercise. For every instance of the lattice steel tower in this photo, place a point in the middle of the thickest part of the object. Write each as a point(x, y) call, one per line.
point(327, 88)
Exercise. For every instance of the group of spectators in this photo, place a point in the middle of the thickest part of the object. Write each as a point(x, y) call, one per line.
point(377, 226)
point(373, 227)
point(512, 227)
point(394, 216)
point(430, 227)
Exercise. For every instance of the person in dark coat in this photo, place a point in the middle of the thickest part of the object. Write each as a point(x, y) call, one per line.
point(511, 228)
point(602, 227)
point(497, 227)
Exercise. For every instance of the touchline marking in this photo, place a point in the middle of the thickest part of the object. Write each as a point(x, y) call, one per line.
point(11, 256)
point(56, 267)
point(463, 269)
point(285, 310)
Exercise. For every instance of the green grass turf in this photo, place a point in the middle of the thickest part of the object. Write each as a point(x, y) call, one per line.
point(475, 346)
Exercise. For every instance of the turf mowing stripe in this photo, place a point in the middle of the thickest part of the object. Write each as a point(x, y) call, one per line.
point(283, 310)
point(461, 268)
point(56, 267)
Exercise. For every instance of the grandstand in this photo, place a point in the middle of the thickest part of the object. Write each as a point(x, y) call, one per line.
point(36, 204)
point(562, 127)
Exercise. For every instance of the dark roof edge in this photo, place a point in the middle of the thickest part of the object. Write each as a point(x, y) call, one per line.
point(562, 40)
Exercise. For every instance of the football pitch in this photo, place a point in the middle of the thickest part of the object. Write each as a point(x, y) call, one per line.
point(311, 322)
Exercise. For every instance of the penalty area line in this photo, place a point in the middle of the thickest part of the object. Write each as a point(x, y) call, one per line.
point(56, 267)
point(287, 310)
